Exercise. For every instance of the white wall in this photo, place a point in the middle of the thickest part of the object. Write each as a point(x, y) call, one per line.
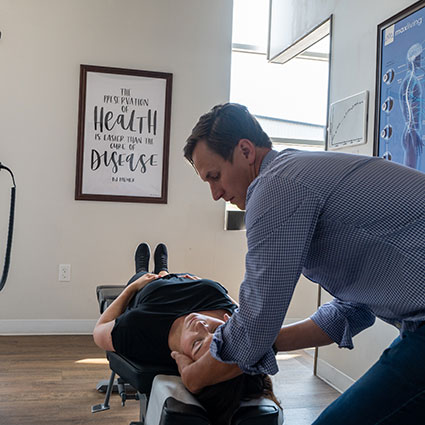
point(353, 70)
point(42, 46)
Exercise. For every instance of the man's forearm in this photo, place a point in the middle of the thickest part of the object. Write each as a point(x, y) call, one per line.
point(304, 334)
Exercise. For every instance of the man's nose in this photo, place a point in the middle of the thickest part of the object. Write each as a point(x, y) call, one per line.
point(216, 191)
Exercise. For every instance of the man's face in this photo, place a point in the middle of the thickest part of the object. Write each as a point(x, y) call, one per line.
point(227, 180)
point(197, 332)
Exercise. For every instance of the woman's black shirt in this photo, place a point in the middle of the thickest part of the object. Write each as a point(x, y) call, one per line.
point(141, 332)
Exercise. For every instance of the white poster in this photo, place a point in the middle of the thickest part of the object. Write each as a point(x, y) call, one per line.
point(123, 135)
point(348, 121)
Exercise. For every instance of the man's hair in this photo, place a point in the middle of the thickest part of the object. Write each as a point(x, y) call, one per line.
point(221, 400)
point(223, 127)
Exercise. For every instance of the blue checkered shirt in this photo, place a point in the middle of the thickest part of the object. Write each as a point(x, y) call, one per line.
point(354, 224)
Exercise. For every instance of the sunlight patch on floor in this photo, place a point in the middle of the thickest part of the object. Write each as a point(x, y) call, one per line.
point(93, 361)
point(285, 356)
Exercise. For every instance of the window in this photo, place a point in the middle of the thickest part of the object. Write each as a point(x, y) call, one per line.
point(289, 100)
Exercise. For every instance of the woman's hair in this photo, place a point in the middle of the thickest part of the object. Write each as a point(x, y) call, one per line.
point(223, 127)
point(221, 400)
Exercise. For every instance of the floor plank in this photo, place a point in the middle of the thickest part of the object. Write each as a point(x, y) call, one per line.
point(303, 396)
point(50, 380)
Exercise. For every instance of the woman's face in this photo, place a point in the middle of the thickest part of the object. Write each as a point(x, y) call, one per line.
point(197, 333)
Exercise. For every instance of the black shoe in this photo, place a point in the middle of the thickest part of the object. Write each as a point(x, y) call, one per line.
point(160, 257)
point(141, 257)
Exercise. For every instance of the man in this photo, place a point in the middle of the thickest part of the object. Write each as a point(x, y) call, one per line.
point(353, 224)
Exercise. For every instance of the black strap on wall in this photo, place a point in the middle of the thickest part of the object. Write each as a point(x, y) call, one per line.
point(10, 231)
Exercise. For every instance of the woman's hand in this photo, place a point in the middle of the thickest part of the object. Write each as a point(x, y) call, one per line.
point(189, 276)
point(142, 281)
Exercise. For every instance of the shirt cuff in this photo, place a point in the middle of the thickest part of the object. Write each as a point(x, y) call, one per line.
point(334, 324)
point(342, 320)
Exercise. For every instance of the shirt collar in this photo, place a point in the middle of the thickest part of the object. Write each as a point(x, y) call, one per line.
point(268, 159)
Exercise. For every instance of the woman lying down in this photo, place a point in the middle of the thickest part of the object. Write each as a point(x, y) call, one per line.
point(154, 316)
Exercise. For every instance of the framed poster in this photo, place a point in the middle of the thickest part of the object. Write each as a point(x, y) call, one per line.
point(123, 135)
point(400, 88)
point(348, 121)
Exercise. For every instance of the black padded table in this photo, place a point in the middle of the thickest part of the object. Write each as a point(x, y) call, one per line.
point(174, 412)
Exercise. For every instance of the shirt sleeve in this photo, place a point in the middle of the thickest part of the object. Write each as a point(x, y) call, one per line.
point(343, 320)
point(120, 333)
point(128, 334)
point(280, 221)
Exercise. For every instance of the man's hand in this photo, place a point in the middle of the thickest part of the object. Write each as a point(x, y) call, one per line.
point(182, 361)
point(203, 372)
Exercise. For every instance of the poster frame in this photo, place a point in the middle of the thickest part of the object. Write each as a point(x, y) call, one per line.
point(81, 169)
point(381, 48)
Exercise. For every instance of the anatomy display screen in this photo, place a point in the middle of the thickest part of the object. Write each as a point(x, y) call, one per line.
point(402, 91)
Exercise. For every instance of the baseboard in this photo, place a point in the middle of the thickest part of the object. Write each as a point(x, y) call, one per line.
point(55, 327)
point(47, 327)
point(334, 377)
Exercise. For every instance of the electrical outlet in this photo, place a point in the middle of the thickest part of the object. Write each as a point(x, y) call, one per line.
point(64, 272)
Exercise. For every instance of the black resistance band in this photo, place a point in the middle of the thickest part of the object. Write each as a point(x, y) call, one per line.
point(10, 232)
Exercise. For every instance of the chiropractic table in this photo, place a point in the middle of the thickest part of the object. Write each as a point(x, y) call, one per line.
point(163, 398)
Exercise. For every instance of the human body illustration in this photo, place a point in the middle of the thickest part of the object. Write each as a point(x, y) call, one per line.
point(411, 106)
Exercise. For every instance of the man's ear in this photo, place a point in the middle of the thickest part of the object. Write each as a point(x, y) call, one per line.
point(247, 148)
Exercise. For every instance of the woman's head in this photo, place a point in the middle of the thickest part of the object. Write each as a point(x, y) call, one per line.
point(221, 400)
point(193, 336)
point(196, 334)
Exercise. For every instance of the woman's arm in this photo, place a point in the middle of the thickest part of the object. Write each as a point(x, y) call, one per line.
point(103, 329)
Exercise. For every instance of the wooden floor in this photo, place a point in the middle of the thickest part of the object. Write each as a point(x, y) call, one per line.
point(50, 380)
point(302, 395)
